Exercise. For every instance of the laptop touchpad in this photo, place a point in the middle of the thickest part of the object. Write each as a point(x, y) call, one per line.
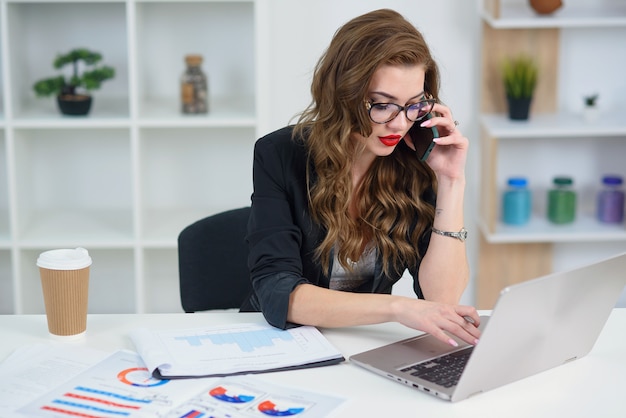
point(426, 347)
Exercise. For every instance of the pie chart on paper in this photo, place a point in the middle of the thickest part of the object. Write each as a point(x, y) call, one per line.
point(269, 408)
point(140, 377)
point(231, 395)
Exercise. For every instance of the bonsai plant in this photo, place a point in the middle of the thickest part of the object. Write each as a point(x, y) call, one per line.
point(71, 93)
point(520, 79)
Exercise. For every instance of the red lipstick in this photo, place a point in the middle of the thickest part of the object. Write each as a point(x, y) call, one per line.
point(390, 140)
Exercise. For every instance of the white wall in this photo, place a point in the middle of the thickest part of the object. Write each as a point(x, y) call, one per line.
point(301, 30)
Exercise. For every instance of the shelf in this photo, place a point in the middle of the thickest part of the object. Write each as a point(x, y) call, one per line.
point(71, 228)
point(522, 16)
point(223, 112)
point(190, 180)
point(584, 229)
point(557, 125)
point(222, 32)
point(73, 187)
point(114, 113)
point(106, 112)
point(124, 180)
point(34, 37)
point(556, 140)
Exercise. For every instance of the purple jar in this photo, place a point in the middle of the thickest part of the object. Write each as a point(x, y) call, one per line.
point(611, 200)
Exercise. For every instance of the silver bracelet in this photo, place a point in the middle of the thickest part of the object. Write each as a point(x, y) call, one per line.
point(461, 235)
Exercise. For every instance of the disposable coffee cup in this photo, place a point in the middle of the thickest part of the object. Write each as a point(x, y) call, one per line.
point(65, 283)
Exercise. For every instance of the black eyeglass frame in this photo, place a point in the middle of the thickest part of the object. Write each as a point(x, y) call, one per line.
point(370, 105)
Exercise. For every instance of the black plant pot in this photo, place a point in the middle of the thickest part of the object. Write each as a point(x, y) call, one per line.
point(74, 105)
point(519, 107)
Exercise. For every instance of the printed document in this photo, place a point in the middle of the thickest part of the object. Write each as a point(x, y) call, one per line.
point(120, 385)
point(232, 349)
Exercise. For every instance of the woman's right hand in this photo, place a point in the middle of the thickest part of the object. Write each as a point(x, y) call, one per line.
point(439, 319)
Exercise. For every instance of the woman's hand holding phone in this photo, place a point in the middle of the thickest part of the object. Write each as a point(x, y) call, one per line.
point(448, 159)
point(423, 139)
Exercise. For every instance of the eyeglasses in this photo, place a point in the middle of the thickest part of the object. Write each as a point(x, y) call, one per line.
point(386, 112)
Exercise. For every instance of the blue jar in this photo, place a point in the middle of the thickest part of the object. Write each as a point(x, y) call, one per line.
point(516, 202)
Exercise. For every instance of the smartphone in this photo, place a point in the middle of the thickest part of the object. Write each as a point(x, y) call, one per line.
point(423, 139)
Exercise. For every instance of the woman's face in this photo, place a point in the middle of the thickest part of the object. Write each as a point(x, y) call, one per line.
point(399, 84)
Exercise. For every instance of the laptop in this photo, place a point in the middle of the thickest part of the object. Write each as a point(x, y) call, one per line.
point(535, 325)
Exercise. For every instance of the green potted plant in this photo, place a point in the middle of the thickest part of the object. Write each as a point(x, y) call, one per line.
point(590, 110)
point(72, 93)
point(520, 79)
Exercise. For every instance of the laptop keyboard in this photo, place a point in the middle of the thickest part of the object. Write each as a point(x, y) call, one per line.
point(444, 371)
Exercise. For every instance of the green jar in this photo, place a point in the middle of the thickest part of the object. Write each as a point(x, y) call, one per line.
point(562, 201)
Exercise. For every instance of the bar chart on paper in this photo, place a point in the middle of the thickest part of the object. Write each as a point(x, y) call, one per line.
point(232, 349)
point(118, 386)
point(247, 341)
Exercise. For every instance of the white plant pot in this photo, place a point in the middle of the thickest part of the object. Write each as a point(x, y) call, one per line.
point(591, 114)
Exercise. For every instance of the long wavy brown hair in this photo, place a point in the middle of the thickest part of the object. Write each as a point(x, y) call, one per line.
point(393, 190)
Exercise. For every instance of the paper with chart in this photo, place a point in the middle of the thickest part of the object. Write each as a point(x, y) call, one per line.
point(118, 386)
point(232, 349)
point(249, 397)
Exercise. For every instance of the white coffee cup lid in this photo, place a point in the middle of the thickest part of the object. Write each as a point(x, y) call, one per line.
point(64, 259)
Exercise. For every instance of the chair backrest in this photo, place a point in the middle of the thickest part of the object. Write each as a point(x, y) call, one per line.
point(212, 262)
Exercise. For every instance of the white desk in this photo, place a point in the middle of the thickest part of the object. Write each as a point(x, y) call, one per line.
point(590, 387)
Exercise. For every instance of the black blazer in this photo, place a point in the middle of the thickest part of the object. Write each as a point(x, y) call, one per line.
point(282, 238)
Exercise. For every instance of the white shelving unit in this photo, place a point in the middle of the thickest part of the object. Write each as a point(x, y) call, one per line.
point(517, 15)
point(123, 181)
point(575, 48)
point(558, 143)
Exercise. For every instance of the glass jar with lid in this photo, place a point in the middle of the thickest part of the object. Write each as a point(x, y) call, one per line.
point(194, 87)
point(516, 202)
point(611, 200)
point(562, 200)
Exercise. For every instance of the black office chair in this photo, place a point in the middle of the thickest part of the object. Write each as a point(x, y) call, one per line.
point(212, 262)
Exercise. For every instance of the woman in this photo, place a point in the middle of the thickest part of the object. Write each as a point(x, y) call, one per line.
point(342, 206)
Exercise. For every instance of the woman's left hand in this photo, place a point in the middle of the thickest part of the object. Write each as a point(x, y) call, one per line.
point(448, 157)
